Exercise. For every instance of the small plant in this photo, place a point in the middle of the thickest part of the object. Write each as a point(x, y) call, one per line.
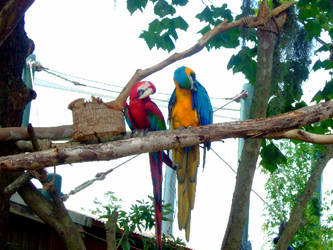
point(140, 218)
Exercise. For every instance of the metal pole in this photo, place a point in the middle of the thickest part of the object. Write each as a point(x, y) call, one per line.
point(244, 115)
point(169, 196)
point(27, 77)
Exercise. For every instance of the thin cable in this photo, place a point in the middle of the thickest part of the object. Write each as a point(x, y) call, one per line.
point(84, 79)
point(98, 177)
point(241, 95)
point(233, 170)
point(76, 83)
point(62, 76)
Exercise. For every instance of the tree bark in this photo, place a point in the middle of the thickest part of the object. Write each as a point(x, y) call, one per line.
point(11, 13)
point(54, 214)
point(296, 213)
point(162, 140)
point(111, 229)
point(240, 202)
point(21, 133)
point(14, 48)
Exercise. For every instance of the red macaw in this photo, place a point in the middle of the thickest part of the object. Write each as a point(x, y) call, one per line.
point(143, 114)
point(189, 106)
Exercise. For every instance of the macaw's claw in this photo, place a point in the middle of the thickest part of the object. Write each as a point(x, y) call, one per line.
point(139, 132)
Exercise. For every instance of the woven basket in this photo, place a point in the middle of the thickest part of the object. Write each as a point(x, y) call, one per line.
point(94, 121)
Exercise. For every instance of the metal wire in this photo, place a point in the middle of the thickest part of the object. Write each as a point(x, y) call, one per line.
point(98, 177)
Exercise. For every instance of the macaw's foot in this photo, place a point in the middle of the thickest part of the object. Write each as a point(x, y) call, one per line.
point(139, 132)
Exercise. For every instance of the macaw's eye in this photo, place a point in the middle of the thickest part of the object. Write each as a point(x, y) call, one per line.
point(140, 92)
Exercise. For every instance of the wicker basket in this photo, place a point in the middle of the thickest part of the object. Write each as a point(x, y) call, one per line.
point(94, 121)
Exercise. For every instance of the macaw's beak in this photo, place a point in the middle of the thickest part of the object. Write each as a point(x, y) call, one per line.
point(143, 93)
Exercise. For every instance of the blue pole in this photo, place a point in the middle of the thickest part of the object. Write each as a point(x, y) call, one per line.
point(244, 115)
point(169, 196)
point(27, 77)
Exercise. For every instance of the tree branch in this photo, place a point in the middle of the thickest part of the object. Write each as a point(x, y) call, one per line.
point(161, 140)
point(10, 15)
point(303, 135)
point(21, 133)
point(296, 213)
point(140, 74)
point(55, 215)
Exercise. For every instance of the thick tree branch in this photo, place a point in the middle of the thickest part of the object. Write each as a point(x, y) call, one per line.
point(10, 15)
point(55, 215)
point(140, 74)
point(303, 135)
point(248, 160)
point(161, 140)
point(296, 213)
point(21, 133)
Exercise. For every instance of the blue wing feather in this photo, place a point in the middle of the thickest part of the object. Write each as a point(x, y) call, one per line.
point(201, 102)
point(172, 102)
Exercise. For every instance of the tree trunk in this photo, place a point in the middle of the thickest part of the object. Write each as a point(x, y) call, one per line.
point(13, 98)
point(15, 47)
point(247, 165)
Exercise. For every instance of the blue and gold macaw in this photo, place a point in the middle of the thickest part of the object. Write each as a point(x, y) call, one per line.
point(143, 114)
point(189, 106)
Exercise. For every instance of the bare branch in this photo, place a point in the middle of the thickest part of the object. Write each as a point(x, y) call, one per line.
point(161, 140)
point(303, 136)
point(20, 133)
point(140, 74)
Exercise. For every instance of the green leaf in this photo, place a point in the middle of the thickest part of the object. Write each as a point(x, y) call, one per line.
point(149, 38)
point(227, 39)
point(179, 23)
point(313, 28)
point(318, 65)
point(206, 16)
point(133, 5)
point(326, 64)
point(325, 94)
point(243, 62)
point(222, 13)
point(166, 43)
point(179, 2)
point(162, 8)
point(271, 157)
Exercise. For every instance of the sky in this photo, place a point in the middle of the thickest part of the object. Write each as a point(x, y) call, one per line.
point(99, 41)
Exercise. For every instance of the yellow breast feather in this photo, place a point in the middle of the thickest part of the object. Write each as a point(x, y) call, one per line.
point(182, 113)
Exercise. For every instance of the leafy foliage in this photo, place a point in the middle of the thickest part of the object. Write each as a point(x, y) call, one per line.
point(325, 94)
point(140, 217)
point(307, 21)
point(271, 156)
point(291, 63)
point(214, 16)
point(244, 62)
point(317, 17)
point(283, 187)
point(133, 5)
point(161, 33)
